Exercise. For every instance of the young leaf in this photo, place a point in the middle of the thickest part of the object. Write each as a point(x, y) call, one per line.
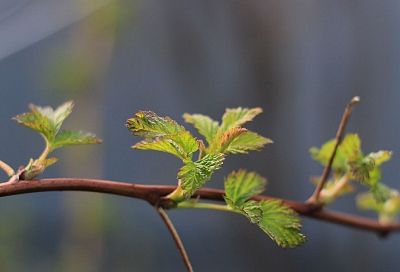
point(387, 205)
point(367, 201)
point(204, 124)
point(281, 224)
point(380, 157)
point(147, 124)
point(48, 122)
point(38, 121)
point(349, 150)
point(245, 142)
point(253, 211)
point(240, 186)
point(182, 145)
point(277, 220)
point(229, 136)
point(67, 137)
point(162, 134)
point(237, 117)
point(193, 175)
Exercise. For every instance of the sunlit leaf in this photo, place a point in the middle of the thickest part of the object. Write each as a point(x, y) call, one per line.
point(245, 142)
point(204, 124)
point(281, 224)
point(237, 117)
point(349, 150)
point(182, 145)
point(147, 124)
point(67, 137)
point(193, 175)
point(240, 186)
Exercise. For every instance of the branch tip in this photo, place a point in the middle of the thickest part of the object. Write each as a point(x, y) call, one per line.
point(339, 137)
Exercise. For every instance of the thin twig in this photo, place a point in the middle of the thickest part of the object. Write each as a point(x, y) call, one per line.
point(178, 241)
point(339, 137)
point(155, 193)
point(7, 169)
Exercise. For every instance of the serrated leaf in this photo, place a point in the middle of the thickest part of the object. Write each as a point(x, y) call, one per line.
point(237, 117)
point(381, 192)
point(387, 205)
point(240, 186)
point(253, 211)
point(38, 122)
point(162, 134)
point(245, 142)
point(228, 137)
point(281, 224)
point(362, 170)
point(367, 201)
point(147, 124)
point(67, 137)
point(380, 157)
point(277, 220)
point(60, 114)
point(349, 150)
point(182, 145)
point(204, 124)
point(193, 175)
point(45, 120)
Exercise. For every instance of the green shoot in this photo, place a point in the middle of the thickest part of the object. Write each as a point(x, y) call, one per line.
point(48, 122)
point(165, 135)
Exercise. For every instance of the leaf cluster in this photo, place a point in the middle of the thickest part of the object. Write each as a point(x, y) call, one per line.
point(350, 164)
point(48, 122)
point(276, 219)
point(166, 135)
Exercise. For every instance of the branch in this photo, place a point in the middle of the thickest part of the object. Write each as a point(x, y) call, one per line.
point(339, 137)
point(154, 195)
point(178, 241)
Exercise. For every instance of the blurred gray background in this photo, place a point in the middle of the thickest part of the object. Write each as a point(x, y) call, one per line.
point(299, 60)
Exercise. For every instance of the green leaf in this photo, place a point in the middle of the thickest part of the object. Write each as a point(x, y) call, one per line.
point(362, 170)
point(67, 137)
point(367, 170)
point(48, 121)
point(245, 142)
point(182, 145)
point(253, 211)
point(367, 201)
point(237, 117)
point(162, 134)
point(380, 157)
point(382, 200)
point(281, 224)
point(147, 124)
point(204, 124)
point(193, 175)
point(60, 114)
point(348, 151)
point(277, 220)
point(240, 186)
point(228, 137)
point(381, 192)
point(45, 120)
